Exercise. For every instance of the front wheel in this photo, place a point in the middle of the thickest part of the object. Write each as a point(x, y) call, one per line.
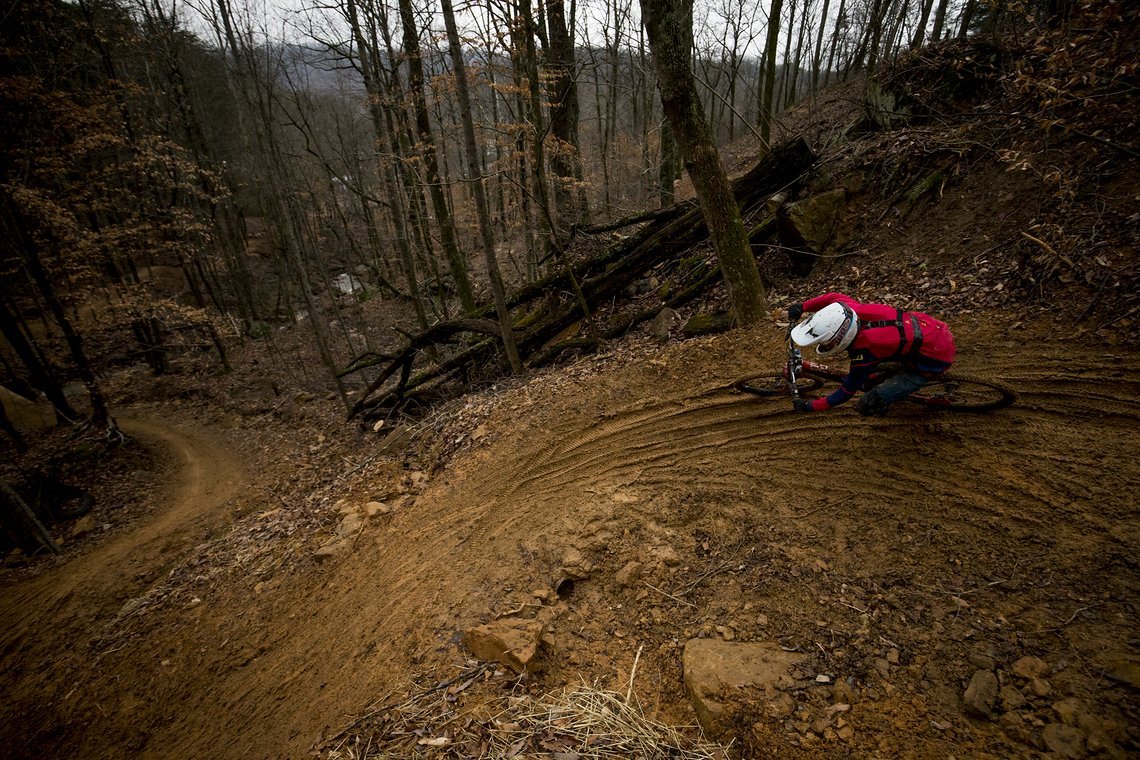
point(958, 392)
point(775, 385)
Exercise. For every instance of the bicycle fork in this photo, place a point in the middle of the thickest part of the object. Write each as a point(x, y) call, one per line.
point(795, 364)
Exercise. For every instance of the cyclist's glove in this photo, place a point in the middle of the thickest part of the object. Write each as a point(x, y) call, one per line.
point(795, 311)
point(802, 405)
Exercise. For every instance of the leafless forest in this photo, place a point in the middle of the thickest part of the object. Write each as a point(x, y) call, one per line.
point(189, 173)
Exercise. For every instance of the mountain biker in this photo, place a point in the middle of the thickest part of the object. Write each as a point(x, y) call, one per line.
point(872, 333)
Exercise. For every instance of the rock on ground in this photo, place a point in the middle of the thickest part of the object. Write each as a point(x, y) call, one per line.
point(714, 669)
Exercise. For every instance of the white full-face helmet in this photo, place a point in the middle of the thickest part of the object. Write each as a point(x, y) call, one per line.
point(830, 329)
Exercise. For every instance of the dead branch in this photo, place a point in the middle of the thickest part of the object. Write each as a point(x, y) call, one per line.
point(640, 218)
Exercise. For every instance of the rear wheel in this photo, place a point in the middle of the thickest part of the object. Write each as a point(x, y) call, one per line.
point(775, 385)
point(957, 392)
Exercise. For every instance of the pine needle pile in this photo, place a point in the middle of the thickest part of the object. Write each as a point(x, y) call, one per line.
point(579, 723)
point(586, 723)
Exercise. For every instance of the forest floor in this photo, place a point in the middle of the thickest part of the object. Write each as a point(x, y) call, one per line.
point(202, 614)
point(902, 553)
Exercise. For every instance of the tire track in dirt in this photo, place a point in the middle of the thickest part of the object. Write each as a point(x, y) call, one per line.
point(561, 488)
point(977, 466)
point(965, 473)
point(716, 424)
point(583, 479)
point(659, 436)
point(612, 480)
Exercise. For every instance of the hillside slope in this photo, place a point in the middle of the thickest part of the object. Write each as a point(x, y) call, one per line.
point(901, 556)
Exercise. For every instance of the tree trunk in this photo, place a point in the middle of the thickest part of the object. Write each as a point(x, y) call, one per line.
point(770, 73)
point(475, 172)
point(967, 17)
point(920, 31)
point(796, 62)
point(41, 376)
point(401, 224)
point(878, 12)
point(786, 69)
point(569, 197)
point(403, 143)
point(285, 209)
point(100, 415)
point(611, 125)
point(667, 173)
point(455, 258)
point(897, 30)
point(817, 61)
point(669, 24)
point(499, 211)
point(839, 20)
point(367, 50)
point(534, 256)
point(643, 101)
point(939, 20)
point(538, 152)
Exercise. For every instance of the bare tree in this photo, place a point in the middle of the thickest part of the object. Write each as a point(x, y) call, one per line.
point(738, 19)
point(786, 69)
point(669, 24)
point(817, 60)
point(897, 30)
point(841, 23)
point(476, 176)
point(41, 375)
point(251, 78)
point(538, 126)
point(939, 20)
point(967, 16)
point(920, 27)
point(797, 62)
point(769, 72)
point(27, 245)
point(363, 29)
point(426, 145)
point(566, 162)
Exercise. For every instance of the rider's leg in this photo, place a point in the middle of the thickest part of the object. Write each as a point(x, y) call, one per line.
point(895, 388)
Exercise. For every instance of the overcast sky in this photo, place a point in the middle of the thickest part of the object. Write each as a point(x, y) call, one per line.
point(300, 21)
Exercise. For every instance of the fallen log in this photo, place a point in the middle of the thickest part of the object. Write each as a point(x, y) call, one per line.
point(640, 218)
point(777, 171)
point(667, 235)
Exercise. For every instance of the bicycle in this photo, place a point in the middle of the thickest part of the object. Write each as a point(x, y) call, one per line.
point(952, 391)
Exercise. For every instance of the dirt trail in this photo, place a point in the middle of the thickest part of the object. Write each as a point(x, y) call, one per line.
point(949, 537)
point(745, 512)
point(47, 622)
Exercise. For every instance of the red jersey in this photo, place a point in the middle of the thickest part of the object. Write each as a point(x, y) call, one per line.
point(887, 334)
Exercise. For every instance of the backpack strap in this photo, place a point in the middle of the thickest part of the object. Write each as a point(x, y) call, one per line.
point(916, 330)
point(899, 322)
